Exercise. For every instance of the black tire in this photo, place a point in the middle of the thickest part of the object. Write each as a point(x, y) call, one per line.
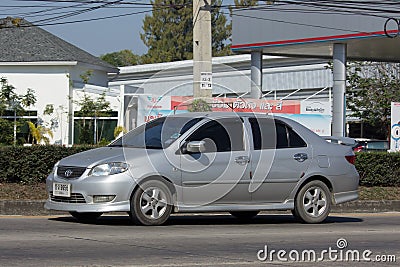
point(86, 216)
point(313, 202)
point(151, 204)
point(244, 214)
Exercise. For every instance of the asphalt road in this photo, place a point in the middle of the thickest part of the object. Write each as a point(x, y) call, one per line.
point(202, 240)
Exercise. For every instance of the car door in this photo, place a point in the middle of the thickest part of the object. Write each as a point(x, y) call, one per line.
point(280, 157)
point(220, 174)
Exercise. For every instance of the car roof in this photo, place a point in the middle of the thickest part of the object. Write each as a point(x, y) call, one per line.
point(219, 114)
point(301, 129)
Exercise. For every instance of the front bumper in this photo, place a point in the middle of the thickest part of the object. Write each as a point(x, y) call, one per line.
point(120, 185)
point(93, 207)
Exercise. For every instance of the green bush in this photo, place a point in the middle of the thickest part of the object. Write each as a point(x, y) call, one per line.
point(32, 164)
point(378, 169)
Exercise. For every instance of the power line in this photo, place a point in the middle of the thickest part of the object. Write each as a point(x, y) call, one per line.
point(35, 13)
point(83, 5)
point(77, 12)
point(364, 8)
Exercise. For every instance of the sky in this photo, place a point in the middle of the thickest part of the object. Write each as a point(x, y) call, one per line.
point(96, 37)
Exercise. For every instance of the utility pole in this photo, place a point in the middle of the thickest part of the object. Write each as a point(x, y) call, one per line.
point(202, 52)
point(339, 89)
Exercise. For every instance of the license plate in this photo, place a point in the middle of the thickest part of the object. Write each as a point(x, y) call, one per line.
point(61, 190)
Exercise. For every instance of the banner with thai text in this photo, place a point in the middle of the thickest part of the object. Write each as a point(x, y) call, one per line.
point(315, 115)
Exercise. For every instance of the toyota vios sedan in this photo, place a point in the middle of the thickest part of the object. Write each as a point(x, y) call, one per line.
point(207, 162)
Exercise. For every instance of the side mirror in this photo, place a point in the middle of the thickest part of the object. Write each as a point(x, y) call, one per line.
point(196, 147)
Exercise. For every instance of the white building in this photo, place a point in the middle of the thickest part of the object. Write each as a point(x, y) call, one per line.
point(31, 57)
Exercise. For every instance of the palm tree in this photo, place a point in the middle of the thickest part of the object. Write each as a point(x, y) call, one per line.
point(39, 133)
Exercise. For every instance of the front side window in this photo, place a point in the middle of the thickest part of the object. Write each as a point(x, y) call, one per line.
point(220, 135)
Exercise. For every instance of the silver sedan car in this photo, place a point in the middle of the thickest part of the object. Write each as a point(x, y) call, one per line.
point(207, 162)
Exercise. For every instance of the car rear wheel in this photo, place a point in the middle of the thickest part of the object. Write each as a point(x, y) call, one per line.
point(244, 214)
point(151, 204)
point(313, 202)
point(86, 216)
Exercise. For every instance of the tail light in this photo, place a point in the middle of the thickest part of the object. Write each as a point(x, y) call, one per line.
point(351, 159)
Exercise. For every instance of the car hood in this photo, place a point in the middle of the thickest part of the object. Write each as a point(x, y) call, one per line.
point(101, 155)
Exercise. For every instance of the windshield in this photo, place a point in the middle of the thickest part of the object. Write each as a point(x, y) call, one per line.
point(157, 134)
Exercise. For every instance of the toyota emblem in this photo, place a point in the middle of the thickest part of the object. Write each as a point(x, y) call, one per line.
point(68, 173)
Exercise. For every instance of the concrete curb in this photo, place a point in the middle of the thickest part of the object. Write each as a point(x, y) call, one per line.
point(368, 206)
point(35, 207)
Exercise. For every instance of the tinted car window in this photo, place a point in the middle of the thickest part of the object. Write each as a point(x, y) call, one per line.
point(267, 135)
point(281, 136)
point(295, 140)
point(264, 128)
point(383, 145)
point(220, 135)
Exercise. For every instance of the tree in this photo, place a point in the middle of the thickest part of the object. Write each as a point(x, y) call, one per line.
point(39, 133)
point(199, 105)
point(243, 4)
point(168, 31)
point(11, 101)
point(371, 88)
point(119, 130)
point(90, 107)
point(121, 58)
point(6, 132)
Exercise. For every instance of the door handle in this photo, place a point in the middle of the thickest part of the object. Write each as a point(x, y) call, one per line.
point(300, 157)
point(242, 160)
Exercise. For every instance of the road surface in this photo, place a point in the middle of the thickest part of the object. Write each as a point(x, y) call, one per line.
point(202, 240)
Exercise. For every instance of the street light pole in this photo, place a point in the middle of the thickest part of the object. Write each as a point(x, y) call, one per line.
point(95, 128)
point(15, 126)
point(14, 104)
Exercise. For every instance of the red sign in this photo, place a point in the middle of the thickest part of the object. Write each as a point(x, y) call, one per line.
point(241, 105)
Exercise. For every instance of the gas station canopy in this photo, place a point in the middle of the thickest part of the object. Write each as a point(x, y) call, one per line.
point(310, 28)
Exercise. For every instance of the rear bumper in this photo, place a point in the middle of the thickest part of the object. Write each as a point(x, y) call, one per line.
point(345, 196)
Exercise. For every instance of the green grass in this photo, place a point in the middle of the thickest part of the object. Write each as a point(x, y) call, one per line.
point(379, 193)
point(13, 191)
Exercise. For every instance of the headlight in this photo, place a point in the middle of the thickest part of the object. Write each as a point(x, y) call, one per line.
point(109, 169)
point(54, 170)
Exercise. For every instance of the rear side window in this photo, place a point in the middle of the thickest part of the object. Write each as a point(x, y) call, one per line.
point(266, 135)
point(282, 138)
point(295, 140)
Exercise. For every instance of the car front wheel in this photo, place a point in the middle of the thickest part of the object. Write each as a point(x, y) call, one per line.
point(313, 202)
point(151, 204)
